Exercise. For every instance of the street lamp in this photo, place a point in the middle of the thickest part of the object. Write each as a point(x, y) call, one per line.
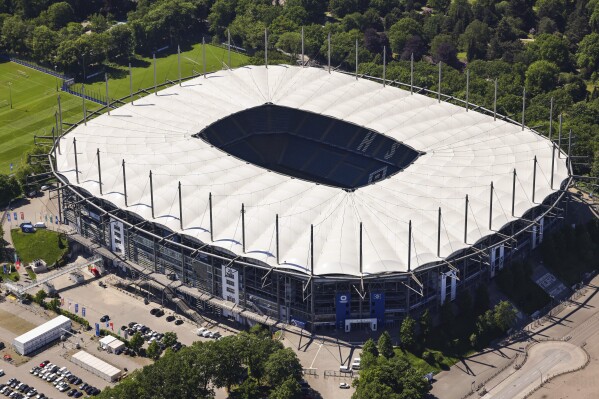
point(10, 93)
point(56, 77)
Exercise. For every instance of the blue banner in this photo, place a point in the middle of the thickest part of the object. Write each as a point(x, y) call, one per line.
point(56, 221)
point(76, 308)
point(4, 267)
point(377, 306)
point(97, 329)
point(107, 324)
point(83, 311)
point(8, 216)
point(298, 323)
point(15, 215)
point(342, 308)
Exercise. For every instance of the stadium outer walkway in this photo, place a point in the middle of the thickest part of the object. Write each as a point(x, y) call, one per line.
point(492, 366)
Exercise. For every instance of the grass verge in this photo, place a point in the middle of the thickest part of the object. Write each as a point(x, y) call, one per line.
point(43, 244)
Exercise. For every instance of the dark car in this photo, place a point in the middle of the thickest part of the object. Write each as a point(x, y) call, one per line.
point(178, 322)
point(77, 381)
point(154, 311)
point(132, 324)
point(170, 318)
point(95, 391)
point(2, 346)
point(123, 328)
point(104, 318)
point(71, 392)
point(78, 394)
point(83, 386)
point(160, 313)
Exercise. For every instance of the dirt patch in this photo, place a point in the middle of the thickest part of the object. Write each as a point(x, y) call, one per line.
point(14, 323)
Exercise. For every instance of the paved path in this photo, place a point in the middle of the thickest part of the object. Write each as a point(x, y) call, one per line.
point(545, 359)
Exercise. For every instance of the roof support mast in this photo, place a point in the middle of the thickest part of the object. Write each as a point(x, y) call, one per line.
point(467, 89)
point(361, 261)
point(179, 63)
point(155, 89)
point(559, 138)
point(266, 48)
point(243, 227)
point(384, 66)
point(412, 73)
point(180, 207)
point(495, 102)
point(99, 171)
point(107, 98)
point(439, 234)
point(534, 178)
point(83, 102)
point(211, 220)
point(125, 183)
point(329, 52)
point(410, 246)
point(552, 143)
point(302, 46)
point(523, 106)
point(76, 163)
point(204, 56)
point(229, 48)
point(466, 221)
point(277, 238)
point(356, 58)
point(151, 194)
point(514, 192)
point(491, 208)
point(131, 84)
point(439, 91)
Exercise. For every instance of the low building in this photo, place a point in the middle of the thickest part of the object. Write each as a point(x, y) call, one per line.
point(38, 266)
point(42, 335)
point(111, 344)
point(96, 366)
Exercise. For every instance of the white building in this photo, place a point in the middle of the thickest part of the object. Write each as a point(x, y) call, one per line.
point(96, 366)
point(42, 335)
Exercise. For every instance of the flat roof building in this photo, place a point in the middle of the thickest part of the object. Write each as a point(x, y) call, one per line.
point(42, 335)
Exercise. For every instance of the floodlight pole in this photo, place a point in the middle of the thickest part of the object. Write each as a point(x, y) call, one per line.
point(152, 194)
point(439, 234)
point(229, 48)
point(329, 52)
point(130, 84)
point(409, 246)
point(559, 138)
point(60, 118)
point(439, 91)
point(302, 46)
point(266, 48)
point(412, 74)
point(99, 170)
point(491, 208)
point(523, 106)
point(243, 227)
point(125, 183)
point(361, 252)
point(356, 58)
point(277, 238)
point(107, 98)
point(155, 86)
point(211, 220)
point(467, 89)
point(495, 102)
point(569, 146)
point(76, 163)
point(179, 63)
point(534, 179)
point(384, 66)
point(180, 207)
point(466, 221)
point(514, 192)
point(204, 56)
point(83, 101)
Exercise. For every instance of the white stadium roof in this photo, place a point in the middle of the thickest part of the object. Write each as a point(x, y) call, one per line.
point(464, 153)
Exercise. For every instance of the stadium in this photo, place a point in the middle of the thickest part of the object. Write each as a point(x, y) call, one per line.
point(307, 196)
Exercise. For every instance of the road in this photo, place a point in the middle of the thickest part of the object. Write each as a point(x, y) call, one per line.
point(545, 359)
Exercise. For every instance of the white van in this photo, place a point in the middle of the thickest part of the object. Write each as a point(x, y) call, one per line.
point(356, 363)
point(345, 369)
point(40, 225)
point(201, 331)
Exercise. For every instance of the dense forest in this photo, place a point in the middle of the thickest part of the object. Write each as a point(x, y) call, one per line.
point(549, 47)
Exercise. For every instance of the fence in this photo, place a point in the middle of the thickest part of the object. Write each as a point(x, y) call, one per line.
point(34, 66)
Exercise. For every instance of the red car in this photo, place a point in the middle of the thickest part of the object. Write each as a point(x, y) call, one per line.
point(43, 364)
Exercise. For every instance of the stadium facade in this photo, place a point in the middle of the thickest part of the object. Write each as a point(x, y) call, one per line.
point(316, 198)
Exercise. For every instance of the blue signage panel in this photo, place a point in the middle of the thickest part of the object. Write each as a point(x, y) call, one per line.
point(298, 323)
point(377, 306)
point(97, 329)
point(342, 308)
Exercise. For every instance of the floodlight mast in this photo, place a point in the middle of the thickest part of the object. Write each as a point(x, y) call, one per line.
point(466, 221)
point(107, 98)
point(329, 52)
point(439, 91)
point(243, 227)
point(99, 170)
point(131, 84)
point(302, 46)
point(559, 138)
point(204, 56)
point(384, 66)
point(155, 85)
point(179, 63)
point(152, 194)
point(467, 89)
point(76, 163)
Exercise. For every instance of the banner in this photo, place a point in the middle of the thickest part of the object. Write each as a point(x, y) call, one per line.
point(22, 215)
point(15, 216)
point(83, 311)
point(377, 306)
point(56, 221)
point(76, 308)
point(111, 326)
point(107, 324)
point(8, 216)
point(298, 323)
point(4, 267)
point(342, 308)
point(69, 304)
point(97, 329)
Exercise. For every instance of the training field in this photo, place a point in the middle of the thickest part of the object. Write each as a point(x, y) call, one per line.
point(34, 103)
point(166, 69)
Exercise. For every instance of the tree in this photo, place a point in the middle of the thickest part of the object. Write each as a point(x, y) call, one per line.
point(290, 42)
point(504, 315)
point(541, 77)
point(228, 367)
point(136, 342)
point(60, 14)
point(221, 15)
point(343, 7)
point(426, 323)
point(385, 345)
point(281, 365)
point(587, 56)
point(44, 43)
point(170, 338)
point(554, 9)
point(54, 305)
point(249, 389)
point(369, 354)
point(39, 297)
point(439, 5)
point(153, 350)
point(443, 50)
point(9, 189)
point(256, 347)
point(407, 333)
point(14, 33)
point(475, 40)
point(554, 48)
point(289, 389)
point(401, 31)
point(121, 41)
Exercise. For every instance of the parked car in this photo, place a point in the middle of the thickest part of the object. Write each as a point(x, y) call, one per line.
point(344, 385)
point(170, 318)
point(154, 311)
point(178, 322)
point(160, 313)
point(104, 318)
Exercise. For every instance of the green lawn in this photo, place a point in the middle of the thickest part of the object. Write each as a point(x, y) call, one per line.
point(43, 244)
point(12, 275)
point(34, 104)
point(440, 362)
point(166, 69)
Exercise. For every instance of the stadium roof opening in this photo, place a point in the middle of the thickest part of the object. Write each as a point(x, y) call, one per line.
point(309, 146)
